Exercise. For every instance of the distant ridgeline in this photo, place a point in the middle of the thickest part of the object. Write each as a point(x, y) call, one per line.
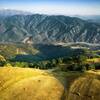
point(47, 29)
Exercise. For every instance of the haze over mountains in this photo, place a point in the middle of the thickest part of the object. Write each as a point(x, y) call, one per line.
point(90, 18)
point(47, 29)
point(8, 12)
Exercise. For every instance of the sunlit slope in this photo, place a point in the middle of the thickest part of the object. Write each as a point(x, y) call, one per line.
point(85, 88)
point(2, 58)
point(28, 84)
point(9, 50)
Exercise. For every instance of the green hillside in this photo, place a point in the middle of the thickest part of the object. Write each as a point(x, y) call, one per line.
point(9, 50)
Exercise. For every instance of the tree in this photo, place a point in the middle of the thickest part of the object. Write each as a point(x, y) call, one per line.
point(59, 60)
point(81, 59)
point(21, 64)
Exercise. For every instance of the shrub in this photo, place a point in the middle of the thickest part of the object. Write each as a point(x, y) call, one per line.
point(97, 66)
point(2, 63)
point(21, 64)
point(83, 68)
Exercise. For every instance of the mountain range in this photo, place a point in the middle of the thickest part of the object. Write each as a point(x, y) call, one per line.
point(47, 29)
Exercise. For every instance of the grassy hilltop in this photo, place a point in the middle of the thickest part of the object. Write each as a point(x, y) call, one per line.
point(34, 84)
point(28, 84)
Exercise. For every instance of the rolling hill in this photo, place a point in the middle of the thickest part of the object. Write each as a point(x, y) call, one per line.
point(35, 84)
point(9, 50)
point(39, 52)
point(28, 84)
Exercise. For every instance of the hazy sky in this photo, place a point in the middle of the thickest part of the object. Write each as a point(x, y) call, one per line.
point(64, 7)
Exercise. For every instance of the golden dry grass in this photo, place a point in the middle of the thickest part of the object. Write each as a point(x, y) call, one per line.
point(86, 87)
point(93, 60)
point(97, 72)
point(2, 58)
point(34, 84)
point(28, 84)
